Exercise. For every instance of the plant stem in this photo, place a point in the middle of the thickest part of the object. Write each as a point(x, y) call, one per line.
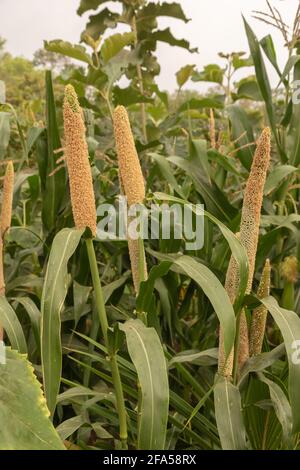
point(100, 304)
point(120, 399)
point(98, 289)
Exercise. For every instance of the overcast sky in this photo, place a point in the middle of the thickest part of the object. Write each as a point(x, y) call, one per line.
point(216, 25)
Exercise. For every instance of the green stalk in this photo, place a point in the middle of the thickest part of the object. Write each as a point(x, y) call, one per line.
point(100, 304)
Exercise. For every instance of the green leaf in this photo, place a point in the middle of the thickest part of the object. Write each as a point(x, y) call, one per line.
point(289, 325)
point(34, 315)
point(198, 155)
point(128, 96)
point(211, 73)
point(144, 297)
point(166, 172)
point(215, 200)
point(237, 249)
point(216, 293)
point(4, 132)
point(165, 35)
point(292, 61)
point(114, 44)
point(263, 82)
point(55, 185)
point(201, 358)
point(153, 10)
point(69, 426)
point(12, 326)
point(228, 409)
point(80, 295)
point(269, 49)
point(277, 175)
point(32, 136)
point(199, 103)
point(86, 5)
point(148, 357)
point(248, 89)
point(98, 24)
point(261, 361)
point(54, 293)
point(238, 61)
point(282, 408)
point(69, 50)
point(184, 74)
point(23, 411)
point(242, 134)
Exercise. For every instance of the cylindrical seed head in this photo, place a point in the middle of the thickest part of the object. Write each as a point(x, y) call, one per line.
point(289, 269)
point(249, 231)
point(7, 198)
point(250, 222)
point(77, 159)
point(131, 183)
point(129, 165)
point(259, 316)
point(253, 198)
point(134, 254)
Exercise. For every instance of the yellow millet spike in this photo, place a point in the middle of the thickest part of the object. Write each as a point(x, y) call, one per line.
point(7, 199)
point(77, 159)
point(289, 269)
point(131, 182)
point(129, 165)
point(259, 316)
point(250, 221)
point(253, 197)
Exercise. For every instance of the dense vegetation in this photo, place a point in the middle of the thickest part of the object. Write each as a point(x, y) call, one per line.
point(110, 348)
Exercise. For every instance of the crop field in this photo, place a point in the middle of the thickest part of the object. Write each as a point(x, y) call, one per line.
point(150, 244)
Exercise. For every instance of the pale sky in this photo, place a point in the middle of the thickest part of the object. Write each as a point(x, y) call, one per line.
point(216, 25)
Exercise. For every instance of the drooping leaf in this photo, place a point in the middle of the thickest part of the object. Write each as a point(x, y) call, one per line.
point(69, 50)
point(202, 358)
point(34, 315)
point(12, 326)
point(86, 5)
point(277, 175)
point(237, 249)
point(99, 23)
point(211, 73)
point(289, 324)
point(282, 408)
point(165, 35)
point(261, 361)
point(183, 75)
point(216, 293)
point(153, 10)
point(114, 44)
